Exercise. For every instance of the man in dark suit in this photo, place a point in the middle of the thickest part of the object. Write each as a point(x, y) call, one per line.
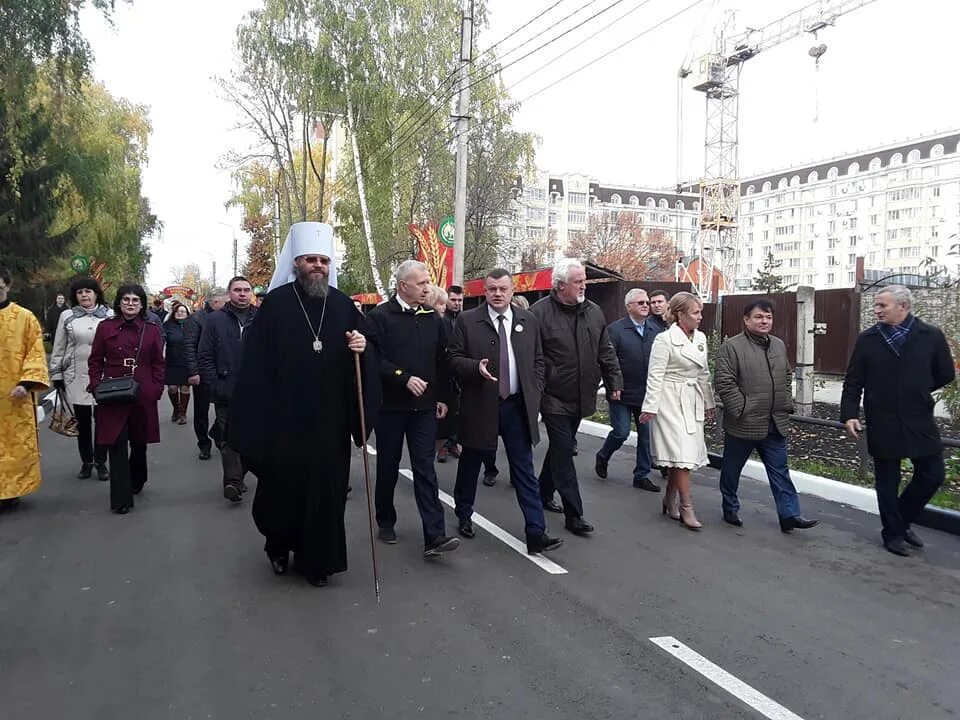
point(497, 354)
point(632, 337)
point(412, 342)
point(895, 366)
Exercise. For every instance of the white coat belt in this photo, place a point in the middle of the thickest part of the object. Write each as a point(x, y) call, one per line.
point(692, 403)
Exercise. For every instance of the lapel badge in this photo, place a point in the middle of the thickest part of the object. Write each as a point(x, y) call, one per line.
point(700, 347)
point(518, 328)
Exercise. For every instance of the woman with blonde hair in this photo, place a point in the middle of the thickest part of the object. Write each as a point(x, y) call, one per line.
point(679, 398)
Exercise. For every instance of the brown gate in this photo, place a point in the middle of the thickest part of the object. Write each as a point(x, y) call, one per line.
point(839, 310)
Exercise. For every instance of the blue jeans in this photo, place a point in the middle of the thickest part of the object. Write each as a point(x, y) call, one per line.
point(620, 416)
point(515, 432)
point(773, 453)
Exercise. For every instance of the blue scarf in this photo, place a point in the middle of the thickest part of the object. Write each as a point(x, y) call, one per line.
point(896, 335)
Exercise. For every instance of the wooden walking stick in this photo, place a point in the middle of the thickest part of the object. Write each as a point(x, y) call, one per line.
point(366, 473)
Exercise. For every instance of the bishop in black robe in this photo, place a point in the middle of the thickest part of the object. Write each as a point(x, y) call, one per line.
point(292, 417)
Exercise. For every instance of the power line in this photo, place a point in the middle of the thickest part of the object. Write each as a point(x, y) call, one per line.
point(487, 76)
point(617, 48)
point(524, 26)
point(586, 39)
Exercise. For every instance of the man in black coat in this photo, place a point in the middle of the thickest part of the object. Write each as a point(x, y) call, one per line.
point(577, 353)
point(219, 355)
point(412, 342)
point(497, 354)
point(632, 339)
point(192, 328)
point(896, 365)
point(52, 316)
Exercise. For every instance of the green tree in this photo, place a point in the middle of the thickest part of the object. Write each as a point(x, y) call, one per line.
point(767, 281)
point(259, 266)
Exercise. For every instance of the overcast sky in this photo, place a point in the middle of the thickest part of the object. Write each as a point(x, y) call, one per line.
point(887, 75)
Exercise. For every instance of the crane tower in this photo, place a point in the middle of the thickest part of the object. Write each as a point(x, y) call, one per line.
point(717, 75)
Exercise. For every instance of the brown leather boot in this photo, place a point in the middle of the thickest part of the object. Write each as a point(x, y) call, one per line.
point(174, 396)
point(182, 408)
point(687, 517)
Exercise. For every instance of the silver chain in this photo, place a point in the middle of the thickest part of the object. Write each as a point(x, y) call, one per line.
point(323, 312)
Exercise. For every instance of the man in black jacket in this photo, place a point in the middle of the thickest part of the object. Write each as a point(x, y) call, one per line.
point(895, 366)
point(658, 306)
point(632, 338)
point(52, 316)
point(412, 342)
point(219, 362)
point(496, 352)
point(577, 354)
point(192, 328)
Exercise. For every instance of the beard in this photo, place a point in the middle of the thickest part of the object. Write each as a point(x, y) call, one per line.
point(314, 284)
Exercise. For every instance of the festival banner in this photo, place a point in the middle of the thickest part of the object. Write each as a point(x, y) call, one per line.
point(522, 282)
point(435, 250)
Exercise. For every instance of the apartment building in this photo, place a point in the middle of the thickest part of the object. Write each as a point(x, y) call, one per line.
point(551, 209)
point(896, 206)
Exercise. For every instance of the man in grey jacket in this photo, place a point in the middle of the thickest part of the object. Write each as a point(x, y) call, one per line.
point(753, 383)
point(577, 354)
point(192, 328)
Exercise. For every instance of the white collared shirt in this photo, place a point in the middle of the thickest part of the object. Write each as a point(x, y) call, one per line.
point(403, 303)
point(508, 321)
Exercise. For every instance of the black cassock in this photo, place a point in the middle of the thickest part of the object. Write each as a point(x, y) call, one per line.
point(292, 416)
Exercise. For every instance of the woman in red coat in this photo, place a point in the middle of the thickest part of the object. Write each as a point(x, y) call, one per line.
point(127, 428)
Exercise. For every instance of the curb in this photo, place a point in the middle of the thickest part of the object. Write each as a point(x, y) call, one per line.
point(854, 496)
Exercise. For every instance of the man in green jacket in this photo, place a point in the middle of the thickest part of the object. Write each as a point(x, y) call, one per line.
point(753, 382)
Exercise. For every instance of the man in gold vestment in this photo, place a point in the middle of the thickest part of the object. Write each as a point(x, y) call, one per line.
point(23, 371)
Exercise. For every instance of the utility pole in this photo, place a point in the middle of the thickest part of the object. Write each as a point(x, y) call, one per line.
point(463, 125)
point(806, 332)
point(234, 231)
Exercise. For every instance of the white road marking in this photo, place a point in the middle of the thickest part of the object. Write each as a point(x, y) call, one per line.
point(717, 675)
point(500, 534)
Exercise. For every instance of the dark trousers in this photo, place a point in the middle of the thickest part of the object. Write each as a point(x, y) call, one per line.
point(515, 432)
point(89, 453)
point(233, 467)
point(896, 513)
point(420, 430)
point(773, 454)
point(558, 471)
point(128, 469)
point(201, 416)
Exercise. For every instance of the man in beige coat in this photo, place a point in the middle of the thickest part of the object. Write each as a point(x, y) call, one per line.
point(753, 383)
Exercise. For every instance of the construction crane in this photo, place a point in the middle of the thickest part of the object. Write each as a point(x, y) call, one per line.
point(717, 75)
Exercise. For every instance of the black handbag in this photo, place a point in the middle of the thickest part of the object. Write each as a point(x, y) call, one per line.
point(121, 390)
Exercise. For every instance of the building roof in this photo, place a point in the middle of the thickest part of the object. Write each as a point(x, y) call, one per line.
point(925, 145)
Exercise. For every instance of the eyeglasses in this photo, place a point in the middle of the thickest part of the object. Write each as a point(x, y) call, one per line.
point(314, 259)
point(639, 302)
point(130, 301)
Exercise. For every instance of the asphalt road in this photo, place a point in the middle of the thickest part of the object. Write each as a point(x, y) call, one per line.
point(172, 611)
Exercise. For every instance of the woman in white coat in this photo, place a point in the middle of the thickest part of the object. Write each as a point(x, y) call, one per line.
point(68, 366)
point(679, 397)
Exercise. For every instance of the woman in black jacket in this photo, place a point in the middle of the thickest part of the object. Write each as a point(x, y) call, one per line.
point(175, 378)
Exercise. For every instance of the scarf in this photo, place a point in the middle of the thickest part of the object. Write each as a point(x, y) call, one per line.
point(896, 335)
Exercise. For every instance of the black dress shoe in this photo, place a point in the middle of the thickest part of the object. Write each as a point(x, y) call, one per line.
point(911, 538)
point(86, 470)
point(137, 489)
point(600, 467)
point(897, 547)
point(441, 545)
point(279, 563)
point(734, 519)
point(205, 453)
point(123, 509)
point(578, 526)
point(317, 579)
point(646, 484)
point(102, 473)
point(490, 479)
point(387, 535)
point(798, 522)
point(542, 543)
point(465, 528)
point(552, 506)
point(232, 492)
